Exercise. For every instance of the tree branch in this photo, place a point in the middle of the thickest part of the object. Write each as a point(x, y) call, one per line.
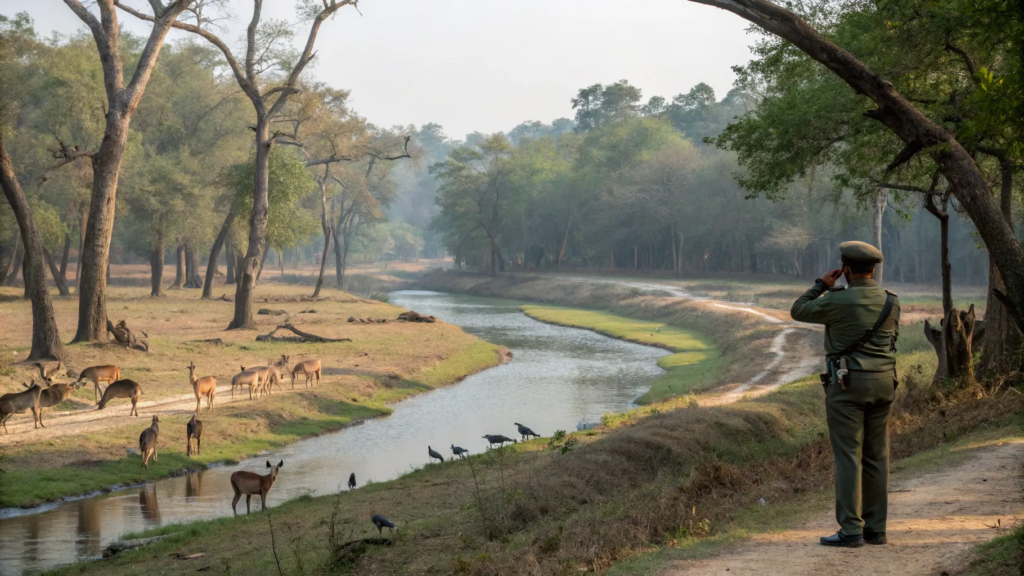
point(963, 56)
point(250, 41)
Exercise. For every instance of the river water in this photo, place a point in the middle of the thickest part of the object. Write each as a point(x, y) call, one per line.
point(558, 377)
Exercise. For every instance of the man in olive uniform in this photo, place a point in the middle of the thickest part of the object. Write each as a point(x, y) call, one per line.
point(861, 327)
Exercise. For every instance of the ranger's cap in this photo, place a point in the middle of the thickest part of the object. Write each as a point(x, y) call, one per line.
point(860, 251)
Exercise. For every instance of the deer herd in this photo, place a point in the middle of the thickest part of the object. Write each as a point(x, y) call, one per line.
point(259, 380)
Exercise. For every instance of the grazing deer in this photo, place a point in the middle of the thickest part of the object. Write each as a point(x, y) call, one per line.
point(122, 389)
point(250, 483)
point(205, 386)
point(194, 429)
point(147, 440)
point(47, 372)
point(250, 378)
point(307, 368)
point(15, 402)
point(108, 374)
point(52, 395)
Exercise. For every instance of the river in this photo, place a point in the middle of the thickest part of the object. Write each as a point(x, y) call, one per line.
point(558, 377)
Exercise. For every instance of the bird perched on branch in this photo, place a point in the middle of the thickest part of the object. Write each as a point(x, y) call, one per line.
point(526, 432)
point(380, 522)
point(459, 451)
point(352, 481)
point(434, 454)
point(497, 439)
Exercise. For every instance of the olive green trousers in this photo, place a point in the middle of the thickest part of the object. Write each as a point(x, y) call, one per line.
point(858, 427)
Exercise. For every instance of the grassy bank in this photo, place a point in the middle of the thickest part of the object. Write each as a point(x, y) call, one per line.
point(382, 364)
point(694, 365)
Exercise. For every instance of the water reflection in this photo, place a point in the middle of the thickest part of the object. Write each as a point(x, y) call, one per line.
point(558, 377)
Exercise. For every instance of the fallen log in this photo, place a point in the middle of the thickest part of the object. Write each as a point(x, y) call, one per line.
point(268, 311)
point(412, 316)
point(302, 336)
point(119, 546)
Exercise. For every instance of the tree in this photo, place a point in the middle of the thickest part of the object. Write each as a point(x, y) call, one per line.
point(599, 105)
point(122, 100)
point(262, 56)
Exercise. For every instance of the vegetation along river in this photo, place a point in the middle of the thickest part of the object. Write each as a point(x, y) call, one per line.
point(558, 377)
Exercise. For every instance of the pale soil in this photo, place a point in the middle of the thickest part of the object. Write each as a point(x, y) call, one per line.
point(935, 521)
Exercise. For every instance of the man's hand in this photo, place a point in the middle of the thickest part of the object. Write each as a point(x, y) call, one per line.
point(830, 278)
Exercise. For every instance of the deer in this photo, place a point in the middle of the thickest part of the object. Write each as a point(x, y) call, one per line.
point(205, 386)
point(52, 395)
point(250, 483)
point(271, 374)
point(15, 402)
point(307, 368)
point(108, 374)
point(48, 372)
point(122, 389)
point(250, 378)
point(194, 429)
point(147, 440)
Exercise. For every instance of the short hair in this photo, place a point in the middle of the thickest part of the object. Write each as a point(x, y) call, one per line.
point(858, 266)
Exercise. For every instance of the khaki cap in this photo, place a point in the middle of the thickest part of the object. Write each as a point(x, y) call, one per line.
point(861, 252)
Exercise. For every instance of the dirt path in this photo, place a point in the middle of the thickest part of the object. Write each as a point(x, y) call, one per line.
point(935, 520)
point(59, 424)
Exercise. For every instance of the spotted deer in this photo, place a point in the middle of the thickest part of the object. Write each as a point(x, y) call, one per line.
point(147, 441)
point(250, 483)
point(205, 386)
point(250, 378)
point(309, 369)
point(108, 374)
point(122, 389)
point(15, 402)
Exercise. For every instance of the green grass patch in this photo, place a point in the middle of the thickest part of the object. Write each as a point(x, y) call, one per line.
point(694, 366)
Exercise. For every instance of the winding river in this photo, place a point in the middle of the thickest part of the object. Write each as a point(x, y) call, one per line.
point(558, 377)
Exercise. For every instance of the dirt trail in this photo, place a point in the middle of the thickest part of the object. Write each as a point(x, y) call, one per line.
point(59, 424)
point(935, 520)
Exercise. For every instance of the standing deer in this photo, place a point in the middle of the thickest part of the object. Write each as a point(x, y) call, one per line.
point(52, 395)
point(250, 378)
point(270, 375)
point(205, 386)
point(108, 374)
point(15, 402)
point(122, 389)
point(307, 368)
point(194, 429)
point(250, 483)
point(147, 440)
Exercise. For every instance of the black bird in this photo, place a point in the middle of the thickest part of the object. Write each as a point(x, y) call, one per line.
point(380, 522)
point(351, 481)
point(497, 439)
point(458, 451)
point(526, 432)
point(434, 454)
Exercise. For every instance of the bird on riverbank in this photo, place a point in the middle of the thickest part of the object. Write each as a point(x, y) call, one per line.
point(352, 481)
point(380, 522)
point(497, 439)
point(434, 454)
point(459, 451)
point(526, 432)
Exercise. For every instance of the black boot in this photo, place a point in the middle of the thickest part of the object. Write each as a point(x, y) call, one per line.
point(840, 539)
point(876, 538)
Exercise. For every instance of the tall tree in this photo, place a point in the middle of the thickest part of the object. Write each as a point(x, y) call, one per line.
point(260, 57)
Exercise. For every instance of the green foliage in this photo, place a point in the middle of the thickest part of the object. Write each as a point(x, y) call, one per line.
point(288, 224)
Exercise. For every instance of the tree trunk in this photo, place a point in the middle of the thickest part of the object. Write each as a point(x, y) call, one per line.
point(229, 260)
point(46, 342)
point(211, 266)
point(323, 259)
point(5, 267)
point(15, 260)
point(64, 257)
point(179, 268)
point(156, 266)
point(190, 267)
point(263, 261)
point(280, 260)
point(1001, 346)
point(82, 225)
point(246, 282)
point(957, 335)
point(58, 279)
point(878, 216)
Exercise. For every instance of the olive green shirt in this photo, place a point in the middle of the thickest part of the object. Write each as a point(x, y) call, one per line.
point(847, 314)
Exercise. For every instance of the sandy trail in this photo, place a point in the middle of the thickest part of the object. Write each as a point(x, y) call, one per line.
point(935, 520)
point(59, 424)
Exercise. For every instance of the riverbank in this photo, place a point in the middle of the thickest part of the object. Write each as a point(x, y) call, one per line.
point(82, 450)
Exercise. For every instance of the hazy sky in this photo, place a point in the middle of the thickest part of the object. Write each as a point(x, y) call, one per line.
point(487, 65)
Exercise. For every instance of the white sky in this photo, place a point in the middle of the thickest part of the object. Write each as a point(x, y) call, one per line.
point(487, 65)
